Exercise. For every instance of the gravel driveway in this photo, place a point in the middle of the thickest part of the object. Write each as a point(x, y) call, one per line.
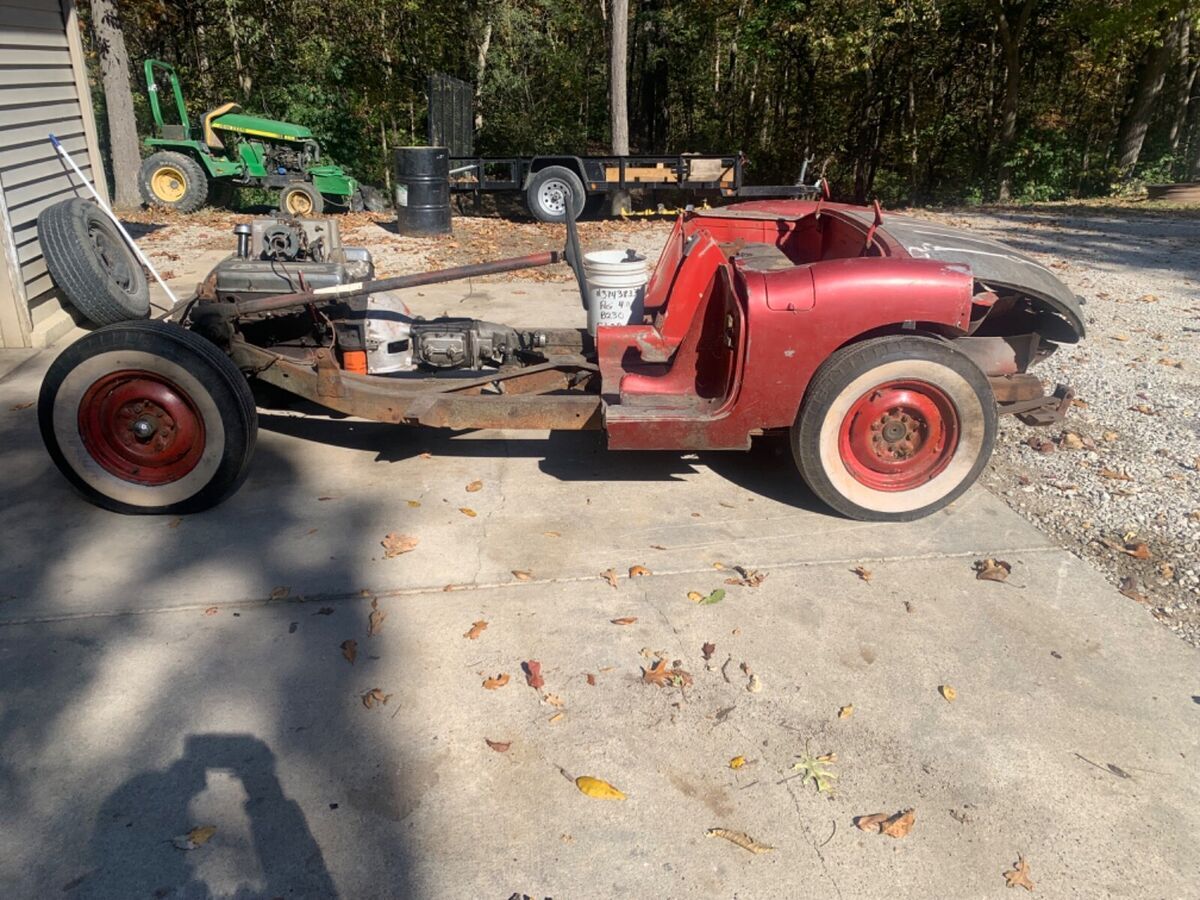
point(1118, 484)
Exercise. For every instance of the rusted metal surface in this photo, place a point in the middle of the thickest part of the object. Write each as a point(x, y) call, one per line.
point(457, 273)
point(1016, 388)
point(438, 402)
point(1005, 355)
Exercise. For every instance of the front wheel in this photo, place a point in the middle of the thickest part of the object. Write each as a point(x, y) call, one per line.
point(301, 199)
point(148, 417)
point(894, 428)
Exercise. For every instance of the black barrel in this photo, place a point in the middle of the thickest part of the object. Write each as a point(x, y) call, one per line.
point(422, 190)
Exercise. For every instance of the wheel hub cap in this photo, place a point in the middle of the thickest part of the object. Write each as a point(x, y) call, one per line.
point(299, 204)
point(553, 196)
point(141, 427)
point(899, 435)
point(168, 184)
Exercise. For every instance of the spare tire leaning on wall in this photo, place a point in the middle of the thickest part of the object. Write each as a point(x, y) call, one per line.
point(91, 264)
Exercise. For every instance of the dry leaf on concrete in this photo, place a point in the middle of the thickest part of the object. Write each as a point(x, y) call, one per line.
point(1018, 876)
point(468, 512)
point(375, 620)
point(992, 569)
point(350, 650)
point(610, 575)
point(707, 650)
point(375, 697)
point(474, 486)
point(637, 571)
point(395, 544)
point(533, 674)
point(280, 592)
point(740, 838)
point(598, 788)
point(494, 684)
point(947, 692)
point(896, 826)
point(624, 620)
point(475, 630)
point(522, 574)
point(1129, 587)
point(197, 837)
point(664, 676)
point(846, 711)
point(1137, 551)
point(737, 762)
point(498, 746)
point(863, 572)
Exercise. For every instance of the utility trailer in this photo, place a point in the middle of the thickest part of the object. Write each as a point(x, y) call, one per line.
point(885, 349)
point(596, 182)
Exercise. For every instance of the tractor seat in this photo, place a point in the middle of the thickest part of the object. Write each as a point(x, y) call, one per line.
point(210, 136)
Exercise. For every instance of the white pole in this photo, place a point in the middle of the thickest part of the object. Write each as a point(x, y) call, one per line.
point(62, 151)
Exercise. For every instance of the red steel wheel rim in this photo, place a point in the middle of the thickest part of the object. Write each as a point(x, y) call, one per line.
point(141, 427)
point(899, 435)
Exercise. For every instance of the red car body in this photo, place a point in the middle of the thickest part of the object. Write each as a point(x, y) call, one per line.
point(747, 301)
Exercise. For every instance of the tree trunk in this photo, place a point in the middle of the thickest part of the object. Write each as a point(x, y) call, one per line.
point(618, 100)
point(1136, 121)
point(1010, 32)
point(481, 58)
point(118, 102)
point(1185, 78)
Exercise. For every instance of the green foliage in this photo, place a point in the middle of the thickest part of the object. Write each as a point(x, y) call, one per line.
point(900, 99)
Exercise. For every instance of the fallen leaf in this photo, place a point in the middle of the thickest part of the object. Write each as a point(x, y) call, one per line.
point(468, 512)
point(740, 838)
point(375, 620)
point(474, 486)
point(197, 837)
point(715, 597)
point(895, 826)
point(375, 697)
point(695, 596)
point(556, 718)
point(1129, 587)
point(1110, 436)
point(1115, 476)
point(494, 684)
point(425, 455)
point(350, 650)
point(899, 825)
point(1120, 337)
point(475, 630)
point(1071, 441)
point(624, 620)
point(533, 674)
point(395, 544)
point(498, 746)
point(719, 566)
point(598, 788)
point(748, 577)
point(591, 679)
point(846, 711)
point(211, 611)
point(1018, 876)
point(817, 770)
point(610, 575)
point(413, 503)
point(707, 650)
point(637, 571)
point(949, 693)
point(522, 574)
point(992, 570)
point(862, 572)
point(737, 762)
point(657, 547)
point(323, 499)
point(552, 534)
point(661, 674)
point(1137, 551)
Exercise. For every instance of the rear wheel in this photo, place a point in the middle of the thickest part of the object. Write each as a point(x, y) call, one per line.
point(148, 417)
point(173, 181)
point(550, 190)
point(895, 428)
point(301, 199)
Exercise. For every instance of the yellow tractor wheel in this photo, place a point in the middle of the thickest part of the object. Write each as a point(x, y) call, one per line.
point(301, 199)
point(173, 181)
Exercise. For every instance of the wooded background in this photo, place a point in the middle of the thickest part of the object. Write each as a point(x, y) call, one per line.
point(912, 101)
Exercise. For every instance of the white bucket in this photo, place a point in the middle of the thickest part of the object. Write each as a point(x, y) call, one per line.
point(616, 288)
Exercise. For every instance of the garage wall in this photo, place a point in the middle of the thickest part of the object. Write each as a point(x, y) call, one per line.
point(43, 89)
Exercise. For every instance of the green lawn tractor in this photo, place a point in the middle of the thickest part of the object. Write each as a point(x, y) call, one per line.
point(185, 170)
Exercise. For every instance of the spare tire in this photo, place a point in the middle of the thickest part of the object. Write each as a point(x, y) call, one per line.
point(89, 261)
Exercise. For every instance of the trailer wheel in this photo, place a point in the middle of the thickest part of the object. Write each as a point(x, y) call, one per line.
point(895, 428)
point(147, 417)
point(546, 195)
point(301, 199)
point(91, 264)
point(173, 181)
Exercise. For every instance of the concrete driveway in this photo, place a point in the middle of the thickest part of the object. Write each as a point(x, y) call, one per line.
point(162, 675)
